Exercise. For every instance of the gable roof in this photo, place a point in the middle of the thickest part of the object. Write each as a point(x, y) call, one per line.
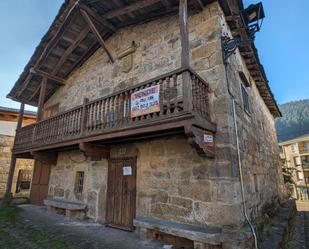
point(69, 42)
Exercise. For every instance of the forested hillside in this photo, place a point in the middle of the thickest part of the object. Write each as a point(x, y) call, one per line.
point(295, 120)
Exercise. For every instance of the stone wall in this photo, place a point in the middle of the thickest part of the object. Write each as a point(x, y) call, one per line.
point(62, 182)
point(173, 183)
point(6, 144)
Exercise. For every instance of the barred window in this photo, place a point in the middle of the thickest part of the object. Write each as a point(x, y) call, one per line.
point(245, 98)
point(79, 182)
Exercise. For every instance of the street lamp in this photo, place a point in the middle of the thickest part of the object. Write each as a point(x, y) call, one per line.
point(252, 19)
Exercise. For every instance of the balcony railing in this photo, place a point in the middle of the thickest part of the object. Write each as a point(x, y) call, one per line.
point(113, 113)
point(303, 150)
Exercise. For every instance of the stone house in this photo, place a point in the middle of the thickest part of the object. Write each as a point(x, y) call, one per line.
point(138, 114)
point(295, 155)
point(22, 175)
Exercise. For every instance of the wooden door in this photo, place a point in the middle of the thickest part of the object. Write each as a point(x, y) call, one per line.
point(121, 193)
point(39, 185)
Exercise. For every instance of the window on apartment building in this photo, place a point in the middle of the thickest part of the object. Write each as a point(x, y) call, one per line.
point(293, 147)
point(79, 182)
point(245, 98)
point(299, 175)
point(297, 160)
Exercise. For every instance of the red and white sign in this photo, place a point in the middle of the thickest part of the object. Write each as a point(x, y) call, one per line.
point(208, 139)
point(145, 101)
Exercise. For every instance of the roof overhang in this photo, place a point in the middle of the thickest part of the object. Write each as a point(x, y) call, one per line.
point(70, 41)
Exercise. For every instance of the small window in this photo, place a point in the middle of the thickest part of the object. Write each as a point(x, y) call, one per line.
point(79, 182)
point(293, 147)
point(245, 98)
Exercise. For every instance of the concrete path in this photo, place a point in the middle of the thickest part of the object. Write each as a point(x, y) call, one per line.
point(83, 234)
point(299, 237)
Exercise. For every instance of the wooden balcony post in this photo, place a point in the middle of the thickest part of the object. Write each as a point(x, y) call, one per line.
point(41, 98)
point(185, 55)
point(8, 195)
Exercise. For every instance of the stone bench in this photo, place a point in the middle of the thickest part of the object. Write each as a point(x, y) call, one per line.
point(72, 210)
point(205, 237)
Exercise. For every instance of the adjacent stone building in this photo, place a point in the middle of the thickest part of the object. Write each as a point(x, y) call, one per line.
point(23, 171)
point(137, 106)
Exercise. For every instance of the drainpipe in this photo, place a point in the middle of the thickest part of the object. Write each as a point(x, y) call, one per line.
point(240, 162)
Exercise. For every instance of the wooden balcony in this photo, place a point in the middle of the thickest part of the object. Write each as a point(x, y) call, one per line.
point(184, 108)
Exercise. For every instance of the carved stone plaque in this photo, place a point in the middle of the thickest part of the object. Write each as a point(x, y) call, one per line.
point(126, 58)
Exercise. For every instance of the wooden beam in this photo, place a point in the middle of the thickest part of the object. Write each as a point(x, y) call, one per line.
point(185, 55)
point(184, 33)
point(96, 151)
point(26, 83)
point(70, 49)
point(97, 34)
point(54, 41)
point(100, 20)
point(47, 75)
point(41, 99)
point(130, 8)
point(49, 157)
point(35, 93)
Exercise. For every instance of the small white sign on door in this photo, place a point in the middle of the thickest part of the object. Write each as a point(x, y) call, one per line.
point(127, 170)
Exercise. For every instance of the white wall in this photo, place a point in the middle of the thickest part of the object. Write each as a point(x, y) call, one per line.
point(7, 128)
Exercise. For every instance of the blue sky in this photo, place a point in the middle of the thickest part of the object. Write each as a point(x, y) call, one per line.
point(282, 43)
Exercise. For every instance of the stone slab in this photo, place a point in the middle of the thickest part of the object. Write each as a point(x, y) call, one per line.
point(207, 234)
point(65, 204)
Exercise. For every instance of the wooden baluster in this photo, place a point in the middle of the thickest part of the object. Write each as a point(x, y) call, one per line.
point(126, 107)
point(103, 114)
point(84, 117)
point(161, 98)
point(97, 117)
point(116, 109)
point(201, 92)
point(76, 119)
point(107, 113)
point(112, 112)
point(175, 93)
point(72, 116)
point(203, 99)
point(99, 114)
point(130, 120)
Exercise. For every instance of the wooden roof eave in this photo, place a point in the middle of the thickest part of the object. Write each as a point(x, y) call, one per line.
point(107, 21)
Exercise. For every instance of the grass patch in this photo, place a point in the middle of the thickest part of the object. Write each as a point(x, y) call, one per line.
point(14, 234)
point(9, 213)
